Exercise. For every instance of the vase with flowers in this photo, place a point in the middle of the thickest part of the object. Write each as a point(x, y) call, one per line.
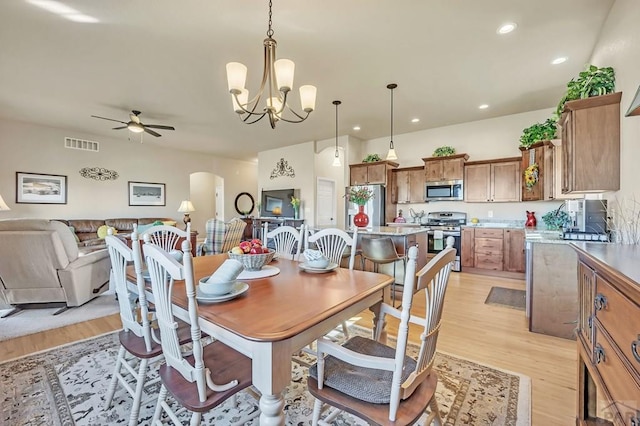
point(295, 203)
point(360, 195)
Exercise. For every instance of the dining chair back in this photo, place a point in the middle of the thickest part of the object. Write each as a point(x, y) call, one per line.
point(167, 237)
point(333, 242)
point(285, 240)
point(213, 373)
point(220, 236)
point(379, 383)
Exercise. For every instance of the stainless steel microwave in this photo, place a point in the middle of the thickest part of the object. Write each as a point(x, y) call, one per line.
point(449, 190)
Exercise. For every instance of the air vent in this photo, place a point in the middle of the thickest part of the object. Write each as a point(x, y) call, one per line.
point(82, 144)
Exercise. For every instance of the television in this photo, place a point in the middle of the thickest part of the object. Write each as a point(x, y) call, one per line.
point(277, 203)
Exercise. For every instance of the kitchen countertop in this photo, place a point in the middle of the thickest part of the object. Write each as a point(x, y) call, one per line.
point(390, 230)
point(620, 258)
point(544, 235)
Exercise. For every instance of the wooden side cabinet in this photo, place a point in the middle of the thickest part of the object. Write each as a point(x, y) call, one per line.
point(467, 247)
point(514, 256)
point(447, 168)
point(492, 181)
point(408, 185)
point(591, 144)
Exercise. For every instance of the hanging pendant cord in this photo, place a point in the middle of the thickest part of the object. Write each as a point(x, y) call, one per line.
point(270, 31)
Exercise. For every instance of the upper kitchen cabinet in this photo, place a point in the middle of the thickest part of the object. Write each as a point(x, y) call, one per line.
point(591, 144)
point(377, 172)
point(408, 185)
point(538, 157)
point(444, 168)
point(492, 180)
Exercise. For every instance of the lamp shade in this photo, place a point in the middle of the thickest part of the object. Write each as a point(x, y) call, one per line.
point(285, 69)
point(236, 76)
point(3, 205)
point(308, 97)
point(186, 207)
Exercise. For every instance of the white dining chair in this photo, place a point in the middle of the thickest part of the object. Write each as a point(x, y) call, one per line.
point(382, 384)
point(166, 236)
point(213, 373)
point(285, 240)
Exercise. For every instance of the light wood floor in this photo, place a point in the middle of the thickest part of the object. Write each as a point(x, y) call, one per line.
point(492, 335)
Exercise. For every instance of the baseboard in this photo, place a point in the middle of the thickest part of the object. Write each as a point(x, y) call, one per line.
point(503, 274)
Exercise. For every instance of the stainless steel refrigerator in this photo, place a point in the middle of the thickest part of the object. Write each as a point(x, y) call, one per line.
point(374, 208)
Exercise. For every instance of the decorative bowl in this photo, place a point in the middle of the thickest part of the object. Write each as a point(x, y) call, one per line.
point(215, 288)
point(253, 262)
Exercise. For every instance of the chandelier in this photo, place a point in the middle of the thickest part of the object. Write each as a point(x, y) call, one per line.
point(277, 82)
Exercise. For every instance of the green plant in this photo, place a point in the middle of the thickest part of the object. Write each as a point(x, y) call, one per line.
point(593, 81)
point(359, 195)
point(444, 151)
point(538, 132)
point(371, 158)
point(556, 219)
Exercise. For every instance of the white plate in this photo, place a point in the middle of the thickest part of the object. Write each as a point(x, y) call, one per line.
point(313, 270)
point(237, 289)
point(266, 271)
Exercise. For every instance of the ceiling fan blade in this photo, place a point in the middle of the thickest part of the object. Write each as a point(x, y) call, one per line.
point(119, 128)
point(110, 119)
point(158, 126)
point(151, 132)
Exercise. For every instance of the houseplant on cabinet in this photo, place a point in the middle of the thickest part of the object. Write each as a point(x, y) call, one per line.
point(591, 82)
point(360, 195)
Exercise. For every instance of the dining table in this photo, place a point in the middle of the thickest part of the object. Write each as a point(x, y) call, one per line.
point(280, 314)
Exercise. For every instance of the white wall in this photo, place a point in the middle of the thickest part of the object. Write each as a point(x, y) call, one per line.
point(39, 149)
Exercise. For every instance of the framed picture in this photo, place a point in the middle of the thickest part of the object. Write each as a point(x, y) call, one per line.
point(34, 188)
point(147, 194)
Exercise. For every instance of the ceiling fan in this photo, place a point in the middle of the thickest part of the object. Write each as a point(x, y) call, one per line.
point(137, 126)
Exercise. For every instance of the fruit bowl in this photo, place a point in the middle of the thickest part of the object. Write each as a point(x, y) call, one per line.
point(253, 262)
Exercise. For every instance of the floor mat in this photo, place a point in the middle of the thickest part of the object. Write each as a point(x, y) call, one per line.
point(508, 297)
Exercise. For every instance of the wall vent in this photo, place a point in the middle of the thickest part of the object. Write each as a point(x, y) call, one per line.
point(82, 144)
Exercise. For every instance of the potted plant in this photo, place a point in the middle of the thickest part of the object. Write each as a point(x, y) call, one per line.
point(444, 151)
point(360, 195)
point(593, 81)
point(538, 132)
point(556, 219)
point(371, 158)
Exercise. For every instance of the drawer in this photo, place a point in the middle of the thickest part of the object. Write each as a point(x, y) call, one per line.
point(488, 261)
point(624, 391)
point(489, 233)
point(619, 316)
point(487, 245)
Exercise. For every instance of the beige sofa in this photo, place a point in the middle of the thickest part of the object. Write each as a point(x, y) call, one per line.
point(40, 263)
point(87, 229)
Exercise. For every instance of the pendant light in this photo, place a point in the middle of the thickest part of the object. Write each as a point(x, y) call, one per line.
point(391, 155)
point(336, 157)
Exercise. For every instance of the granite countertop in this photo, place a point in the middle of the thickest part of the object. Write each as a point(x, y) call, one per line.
point(497, 223)
point(619, 257)
point(390, 230)
point(544, 235)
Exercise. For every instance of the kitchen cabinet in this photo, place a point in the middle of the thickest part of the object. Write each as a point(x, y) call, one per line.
point(608, 334)
point(540, 153)
point(492, 180)
point(591, 144)
point(467, 247)
point(407, 185)
point(488, 248)
point(447, 168)
point(514, 259)
point(378, 172)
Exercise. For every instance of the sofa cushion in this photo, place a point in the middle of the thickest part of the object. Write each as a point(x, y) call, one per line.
point(103, 231)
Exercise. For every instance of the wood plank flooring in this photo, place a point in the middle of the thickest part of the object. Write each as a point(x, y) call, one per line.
point(493, 335)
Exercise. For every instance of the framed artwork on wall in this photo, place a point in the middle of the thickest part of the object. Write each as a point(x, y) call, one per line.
point(147, 194)
point(35, 188)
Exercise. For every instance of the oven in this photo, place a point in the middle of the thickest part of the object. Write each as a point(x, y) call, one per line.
point(434, 247)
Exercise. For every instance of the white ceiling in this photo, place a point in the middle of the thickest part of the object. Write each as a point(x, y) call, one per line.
point(167, 59)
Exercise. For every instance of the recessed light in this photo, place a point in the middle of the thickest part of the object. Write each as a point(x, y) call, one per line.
point(559, 60)
point(356, 128)
point(415, 120)
point(483, 106)
point(507, 28)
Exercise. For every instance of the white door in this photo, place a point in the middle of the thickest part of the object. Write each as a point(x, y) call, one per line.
point(326, 202)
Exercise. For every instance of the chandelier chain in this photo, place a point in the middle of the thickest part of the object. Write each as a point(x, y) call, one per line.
point(270, 30)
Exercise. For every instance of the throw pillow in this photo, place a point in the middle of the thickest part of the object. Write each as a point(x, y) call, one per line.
point(103, 231)
point(73, 231)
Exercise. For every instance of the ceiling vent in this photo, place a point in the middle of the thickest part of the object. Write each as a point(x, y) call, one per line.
point(82, 144)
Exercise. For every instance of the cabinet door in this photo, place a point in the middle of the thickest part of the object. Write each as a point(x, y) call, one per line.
point(358, 174)
point(514, 260)
point(416, 186)
point(505, 179)
point(377, 173)
point(453, 169)
point(433, 170)
point(477, 183)
point(586, 294)
point(401, 186)
point(467, 248)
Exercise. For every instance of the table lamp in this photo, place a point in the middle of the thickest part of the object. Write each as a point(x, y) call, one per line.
point(3, 205)
point(186, 207)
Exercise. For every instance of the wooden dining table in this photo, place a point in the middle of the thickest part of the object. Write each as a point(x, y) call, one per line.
point(279, 315)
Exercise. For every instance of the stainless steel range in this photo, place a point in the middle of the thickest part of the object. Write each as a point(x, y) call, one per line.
point(442, 225)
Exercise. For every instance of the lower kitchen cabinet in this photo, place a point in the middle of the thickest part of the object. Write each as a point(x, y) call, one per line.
point(493, 250)
point(514, 256)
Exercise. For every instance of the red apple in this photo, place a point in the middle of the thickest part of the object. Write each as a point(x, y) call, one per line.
point(245, 246)
point(255, 250)
point(256, 241)
point(265, 250)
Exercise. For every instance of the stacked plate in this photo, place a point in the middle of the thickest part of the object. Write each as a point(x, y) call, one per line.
point(305, 267)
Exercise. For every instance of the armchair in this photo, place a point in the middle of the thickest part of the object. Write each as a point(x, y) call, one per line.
point(40, 263)
point(220, 237)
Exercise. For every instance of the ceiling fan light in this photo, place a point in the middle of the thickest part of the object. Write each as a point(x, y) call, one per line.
point(308, 97)
point(285, 69)
point(135, 127)
point(236, 76)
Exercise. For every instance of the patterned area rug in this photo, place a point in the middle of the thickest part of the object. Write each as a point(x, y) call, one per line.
point(67, 386)
point(508, 297)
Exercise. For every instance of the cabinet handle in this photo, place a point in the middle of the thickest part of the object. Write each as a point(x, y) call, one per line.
point(634, 348)
point(600, 302)
point(598, 354)
point(590, 322)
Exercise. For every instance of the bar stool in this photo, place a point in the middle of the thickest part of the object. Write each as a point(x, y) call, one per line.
point(381, 251)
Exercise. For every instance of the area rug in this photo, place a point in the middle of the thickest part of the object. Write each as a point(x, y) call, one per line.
point(67, 386)
point(508, 297)
point(29, 321)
